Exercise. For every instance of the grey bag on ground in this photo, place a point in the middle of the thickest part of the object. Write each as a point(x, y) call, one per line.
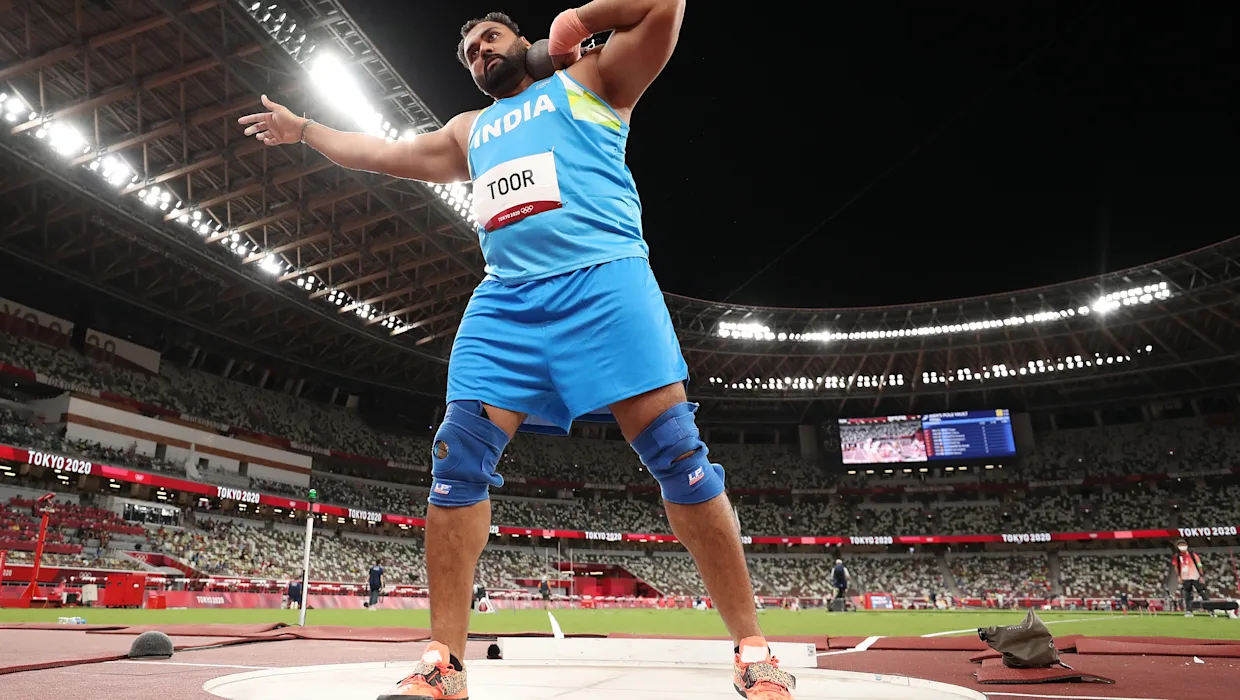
point(1027, 645)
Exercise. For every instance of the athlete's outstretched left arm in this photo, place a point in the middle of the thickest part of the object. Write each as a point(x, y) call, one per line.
point(645, 35)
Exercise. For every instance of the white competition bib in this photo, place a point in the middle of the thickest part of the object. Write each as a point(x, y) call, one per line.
point(512, 191)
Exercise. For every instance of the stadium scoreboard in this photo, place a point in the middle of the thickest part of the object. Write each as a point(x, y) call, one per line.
point(932, 437)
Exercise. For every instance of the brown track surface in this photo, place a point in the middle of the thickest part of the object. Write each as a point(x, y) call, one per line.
point(1159, 677)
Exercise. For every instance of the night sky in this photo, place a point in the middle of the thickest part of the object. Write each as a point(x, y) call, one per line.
point(994, 146)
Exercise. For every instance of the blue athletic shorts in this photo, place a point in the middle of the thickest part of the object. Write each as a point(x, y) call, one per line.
point(565, 346)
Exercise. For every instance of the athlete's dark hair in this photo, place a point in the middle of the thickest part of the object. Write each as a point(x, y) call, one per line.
point(499, 17)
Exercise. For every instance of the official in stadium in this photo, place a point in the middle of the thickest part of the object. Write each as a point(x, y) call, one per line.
point(544, 590)
point(376, 585)
point(1190, 575)
point(550, 331)
point(294, 593)
point(840, 578)
point(480, 594)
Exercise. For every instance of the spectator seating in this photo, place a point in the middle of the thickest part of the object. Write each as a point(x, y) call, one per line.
point(1009, 576)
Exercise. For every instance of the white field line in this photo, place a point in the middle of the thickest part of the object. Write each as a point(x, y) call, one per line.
point(863, 646)
point(180, 663)
point(555, 627)
point(1052, 622)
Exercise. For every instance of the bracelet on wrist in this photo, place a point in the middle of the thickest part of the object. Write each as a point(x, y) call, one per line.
point(305, 125)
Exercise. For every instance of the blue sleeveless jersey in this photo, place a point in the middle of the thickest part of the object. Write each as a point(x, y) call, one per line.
point(552, 193)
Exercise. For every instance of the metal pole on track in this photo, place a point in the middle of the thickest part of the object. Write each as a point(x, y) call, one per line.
point(305, 569)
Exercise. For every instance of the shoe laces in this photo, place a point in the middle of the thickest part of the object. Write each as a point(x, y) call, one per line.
point(764, 680)
point(424, 674)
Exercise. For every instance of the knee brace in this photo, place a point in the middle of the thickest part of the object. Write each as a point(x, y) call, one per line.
point(467, 448)
point(685, 481)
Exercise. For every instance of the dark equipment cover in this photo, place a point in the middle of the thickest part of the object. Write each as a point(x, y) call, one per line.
point(151, 645)
point(1027, 645)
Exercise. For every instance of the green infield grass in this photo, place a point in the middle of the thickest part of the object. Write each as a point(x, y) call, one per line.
point(681, 622)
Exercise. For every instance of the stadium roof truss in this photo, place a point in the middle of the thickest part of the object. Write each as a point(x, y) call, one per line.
point(124, 169)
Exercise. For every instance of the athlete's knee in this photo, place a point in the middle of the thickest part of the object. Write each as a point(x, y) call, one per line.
point(672, 449)
point(467, 448)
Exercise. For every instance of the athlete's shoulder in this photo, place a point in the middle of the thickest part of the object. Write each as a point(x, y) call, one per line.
point(461, 126)
point(585, 72)
point(463, 122)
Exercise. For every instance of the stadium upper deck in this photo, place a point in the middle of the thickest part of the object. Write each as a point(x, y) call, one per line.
point(1169, 327)
point(124, 173)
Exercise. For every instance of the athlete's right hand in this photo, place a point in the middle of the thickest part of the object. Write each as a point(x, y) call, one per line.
point(275, 128)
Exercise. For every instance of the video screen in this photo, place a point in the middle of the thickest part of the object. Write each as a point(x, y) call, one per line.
point(893, 440)
point(963, 435)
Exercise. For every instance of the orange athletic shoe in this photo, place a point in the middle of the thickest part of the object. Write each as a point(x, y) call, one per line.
point(433, 678)
point(757, 675)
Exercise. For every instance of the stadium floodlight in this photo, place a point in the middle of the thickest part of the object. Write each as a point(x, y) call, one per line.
point(115, 171)
point(1105, 305)
point(65, 140)
point(270, 264)
point(1144, 294)
point(746, 331)
point(332, 79)
point(960, 374)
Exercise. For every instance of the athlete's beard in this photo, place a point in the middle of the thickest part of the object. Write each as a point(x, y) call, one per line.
point(504, 77)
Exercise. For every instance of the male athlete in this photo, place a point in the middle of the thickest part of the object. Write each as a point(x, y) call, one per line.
point(569, 318)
